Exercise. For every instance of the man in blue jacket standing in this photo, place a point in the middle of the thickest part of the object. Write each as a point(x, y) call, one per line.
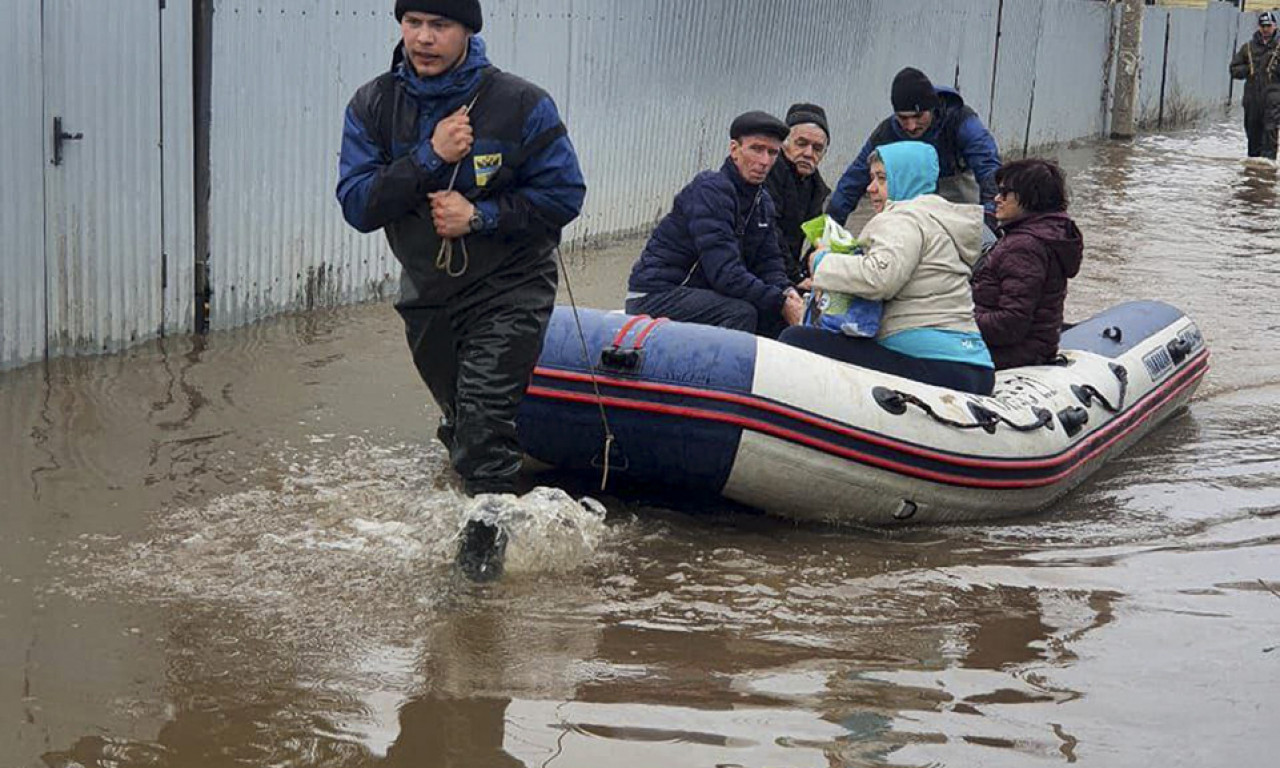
point(715, 259)
point(471, 175)
point(936, 115)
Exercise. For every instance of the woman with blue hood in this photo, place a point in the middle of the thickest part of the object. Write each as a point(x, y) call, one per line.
point(918, 258)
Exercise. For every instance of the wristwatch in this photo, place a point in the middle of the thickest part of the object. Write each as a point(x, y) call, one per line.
point(477, 221)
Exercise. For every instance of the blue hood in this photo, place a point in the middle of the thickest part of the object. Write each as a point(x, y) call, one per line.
point(911, 168)
point(456, 82)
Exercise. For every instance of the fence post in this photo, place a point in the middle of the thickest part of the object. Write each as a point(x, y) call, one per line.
point(1124, 112)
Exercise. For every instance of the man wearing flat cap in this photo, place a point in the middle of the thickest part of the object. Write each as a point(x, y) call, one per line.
point(1256, 63)
point(967, 155)
point(471, 175)
point(795, 183)
point(714, 259)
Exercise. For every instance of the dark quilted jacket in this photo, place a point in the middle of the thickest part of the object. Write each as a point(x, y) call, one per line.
point(1020, 288)
point(718, 235)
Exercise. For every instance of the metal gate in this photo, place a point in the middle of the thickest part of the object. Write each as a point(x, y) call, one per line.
point(104, 261)
point(22, 331)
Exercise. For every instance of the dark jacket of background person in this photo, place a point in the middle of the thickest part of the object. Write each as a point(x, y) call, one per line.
point(388, 166)
point(1258, 64)
point(963, 144)
point(798, 199)
point(1020, 288)
point(720, 236)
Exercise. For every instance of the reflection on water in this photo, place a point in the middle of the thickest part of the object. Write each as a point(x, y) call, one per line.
point(233, 550)
point(1256, 194)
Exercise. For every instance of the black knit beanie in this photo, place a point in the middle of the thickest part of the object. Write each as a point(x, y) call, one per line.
point(465, 12)
point(808, 113)
point(912, 92)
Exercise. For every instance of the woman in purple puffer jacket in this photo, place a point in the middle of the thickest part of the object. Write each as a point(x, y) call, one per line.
point(1020, 287)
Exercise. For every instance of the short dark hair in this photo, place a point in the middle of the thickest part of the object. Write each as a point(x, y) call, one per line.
point(1038, 184)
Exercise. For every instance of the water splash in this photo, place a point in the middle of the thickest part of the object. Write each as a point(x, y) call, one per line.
point(548, 530)
point(362, 536)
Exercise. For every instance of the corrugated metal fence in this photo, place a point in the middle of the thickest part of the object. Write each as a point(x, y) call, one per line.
point(96, 204)
point(22, 328)
point(647, 88)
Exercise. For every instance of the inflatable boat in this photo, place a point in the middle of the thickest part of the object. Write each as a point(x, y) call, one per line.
point(806, 437)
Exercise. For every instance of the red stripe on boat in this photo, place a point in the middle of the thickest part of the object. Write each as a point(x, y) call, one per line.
point(1188, 376)
point(626, 328)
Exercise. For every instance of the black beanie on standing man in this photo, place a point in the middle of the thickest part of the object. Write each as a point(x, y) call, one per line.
point(912, 92)
point(465, 12)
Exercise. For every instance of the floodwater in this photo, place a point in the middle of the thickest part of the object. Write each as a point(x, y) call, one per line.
point(235, 551)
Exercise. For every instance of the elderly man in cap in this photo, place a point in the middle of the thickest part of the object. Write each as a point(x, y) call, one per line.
point(470, 173)
point(714, 259)
point(795, 183)
point(1256, 64)
point(967, 155)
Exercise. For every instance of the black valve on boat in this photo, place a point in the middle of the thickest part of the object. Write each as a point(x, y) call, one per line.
point(1113, 333)
point(1178, 349)
point(1073, 419)
point(890, 400)
point(618, 358)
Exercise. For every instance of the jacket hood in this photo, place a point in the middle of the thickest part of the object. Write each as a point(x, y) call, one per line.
point(950, 97)
point(911, 168)
point(1060, 236)
point(460, 80)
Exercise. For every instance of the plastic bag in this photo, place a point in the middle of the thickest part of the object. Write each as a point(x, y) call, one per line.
point(831, 310)
point(824, 234)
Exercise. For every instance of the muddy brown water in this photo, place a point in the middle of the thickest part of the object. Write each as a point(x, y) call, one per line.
point(234, 551)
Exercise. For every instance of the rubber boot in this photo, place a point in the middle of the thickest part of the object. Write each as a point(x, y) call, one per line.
point(482, 551)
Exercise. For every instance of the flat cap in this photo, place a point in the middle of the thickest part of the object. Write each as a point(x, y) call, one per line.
point(758, 124)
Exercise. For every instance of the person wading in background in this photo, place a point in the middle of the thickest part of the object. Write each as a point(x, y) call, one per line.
point(1257, 64)
point(471, 174)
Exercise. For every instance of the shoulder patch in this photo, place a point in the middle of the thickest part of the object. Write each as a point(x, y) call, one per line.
point(486, 167)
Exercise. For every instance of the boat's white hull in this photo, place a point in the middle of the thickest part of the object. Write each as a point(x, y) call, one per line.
point(802, 436)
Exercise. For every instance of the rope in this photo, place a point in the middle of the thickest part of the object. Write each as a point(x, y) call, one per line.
point(595, 385)
point(444, 258)
point(1043, 418)
point(1102, 400)
point(1122, 377)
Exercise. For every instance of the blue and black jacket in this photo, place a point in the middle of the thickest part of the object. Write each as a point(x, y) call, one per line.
point(719, 235)
point(522, 173)
point(963, 144)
